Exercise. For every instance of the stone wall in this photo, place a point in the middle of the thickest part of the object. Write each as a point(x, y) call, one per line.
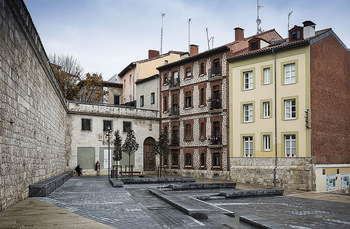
point(32, 111)
point(291, 173)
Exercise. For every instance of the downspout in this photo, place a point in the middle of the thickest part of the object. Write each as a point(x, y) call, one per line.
point(275, 78)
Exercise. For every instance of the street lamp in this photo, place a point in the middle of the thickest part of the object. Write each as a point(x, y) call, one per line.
point(109, 136)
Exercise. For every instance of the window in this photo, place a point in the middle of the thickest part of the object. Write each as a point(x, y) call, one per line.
point(267, 142)
point(188, 132)
point(216, 132)
point(296, 35)
point(290, 145)
point(202, 69)
point(86, 124)
point(142, 101)
point(124, 83)
point(248, 80)
point(216, 103)
point(290, 109)
point(175, 110)
point(267, 75)
point(175, 158)
point(202, 131)
point(289, 73)
point(116, 99)
point(248, 112)
point(165, 79)
point(254, 46)
point(175, 77)
point(188, 160)
point(216, 160)
point(107, 125)
point(248, 146)
point(202, 160)
point(165, 107)
point(216, 67)
point(153, 98)
point(126, 126)
point(130, 79)
point(266, 106)
point(202, 96)
point(188, 99)
point(166, 61)
point(175, 136)
point(188, 72)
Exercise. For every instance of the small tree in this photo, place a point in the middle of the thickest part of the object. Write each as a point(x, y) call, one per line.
point(162, 147)
point(91, 88)
point(117, 153)
point(130, 145)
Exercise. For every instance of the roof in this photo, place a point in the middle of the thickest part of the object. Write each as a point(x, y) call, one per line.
point(133, 64)
point(147, 79)
point(209, 52)
point(276, 46)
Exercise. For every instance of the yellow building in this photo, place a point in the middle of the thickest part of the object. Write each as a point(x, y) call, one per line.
point(142, 69)
point(273, 95)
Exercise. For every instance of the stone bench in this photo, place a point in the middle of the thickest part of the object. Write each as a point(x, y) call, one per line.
point(181, 204)
point(155, 180)
point(45, 187)
point(195, 186)
point(252, 193)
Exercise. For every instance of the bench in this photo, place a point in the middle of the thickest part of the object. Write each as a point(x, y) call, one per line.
point(45, 187)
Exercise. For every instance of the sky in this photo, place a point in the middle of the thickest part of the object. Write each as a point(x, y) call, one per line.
point(107, 35)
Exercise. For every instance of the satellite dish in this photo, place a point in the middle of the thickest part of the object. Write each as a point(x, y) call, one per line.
point(258, 21)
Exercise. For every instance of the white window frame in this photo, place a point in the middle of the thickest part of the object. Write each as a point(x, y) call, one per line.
point(248, 112)
point(290, 145)
point(267, 142)
point(248, 80)
point(266, 109)
point(289, 73)
point(290, 109)
point(248, 146)
point(142, 101)
point(267, 76)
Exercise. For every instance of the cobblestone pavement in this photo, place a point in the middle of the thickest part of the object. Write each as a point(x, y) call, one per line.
point(133, 207)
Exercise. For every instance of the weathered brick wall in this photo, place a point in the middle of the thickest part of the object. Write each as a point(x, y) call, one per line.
point(291, 173)
point(330, 101)
point(32, 111)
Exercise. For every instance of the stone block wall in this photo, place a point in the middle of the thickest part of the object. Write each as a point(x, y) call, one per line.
point(32, 108)
point(291, 173)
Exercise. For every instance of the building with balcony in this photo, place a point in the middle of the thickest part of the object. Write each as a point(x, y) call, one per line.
point(194, 109)
point(288, 106)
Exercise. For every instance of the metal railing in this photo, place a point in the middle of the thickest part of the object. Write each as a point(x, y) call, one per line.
point(215, 140)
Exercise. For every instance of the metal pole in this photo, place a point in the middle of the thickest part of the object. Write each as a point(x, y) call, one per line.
point(109, 153)
point(189, 34)
point(274, 72)
point(161, 35)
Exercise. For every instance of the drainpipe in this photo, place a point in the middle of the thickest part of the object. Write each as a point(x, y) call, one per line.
point(275, 78)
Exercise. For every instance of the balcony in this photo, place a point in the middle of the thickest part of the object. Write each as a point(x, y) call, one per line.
point(174, 112)
point(174, 84)
point(215, 106)
point(174, 143)
point(215, 74)
point(215, 142)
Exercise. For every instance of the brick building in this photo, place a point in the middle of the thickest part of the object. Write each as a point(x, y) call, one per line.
point(194, 108)
point(290, 101)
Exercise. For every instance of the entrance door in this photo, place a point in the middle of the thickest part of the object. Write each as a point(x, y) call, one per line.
point(149, 158)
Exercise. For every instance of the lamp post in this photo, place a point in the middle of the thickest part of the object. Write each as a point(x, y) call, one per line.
point(109, 136)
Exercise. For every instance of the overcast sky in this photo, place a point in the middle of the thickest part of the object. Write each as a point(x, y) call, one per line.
point(107, 35)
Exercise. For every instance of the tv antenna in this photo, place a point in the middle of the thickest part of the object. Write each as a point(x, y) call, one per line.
point(258, 21)
point(208, 40)
point(189, 34)
point(289, 18)
point(161, 35)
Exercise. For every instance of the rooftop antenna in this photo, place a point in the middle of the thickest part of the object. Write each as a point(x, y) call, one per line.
point(289, 18)
point(161, 35)
point(189, 34)
point(208, 40)
point(258, 21)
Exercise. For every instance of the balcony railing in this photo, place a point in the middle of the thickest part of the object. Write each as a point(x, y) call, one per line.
point(175, 142)
point(215, 140)
point(215, 104)
point(174, 111)
point(174, 82)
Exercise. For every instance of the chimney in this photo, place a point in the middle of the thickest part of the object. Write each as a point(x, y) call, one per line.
point(309, 29)
point(193, 50)
point(239, 34)
point(152, 54)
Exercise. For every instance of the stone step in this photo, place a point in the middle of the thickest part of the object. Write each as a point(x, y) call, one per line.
point(155, 180)
point(251, 193)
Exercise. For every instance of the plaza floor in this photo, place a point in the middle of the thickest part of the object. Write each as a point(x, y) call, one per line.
point(91, 202)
